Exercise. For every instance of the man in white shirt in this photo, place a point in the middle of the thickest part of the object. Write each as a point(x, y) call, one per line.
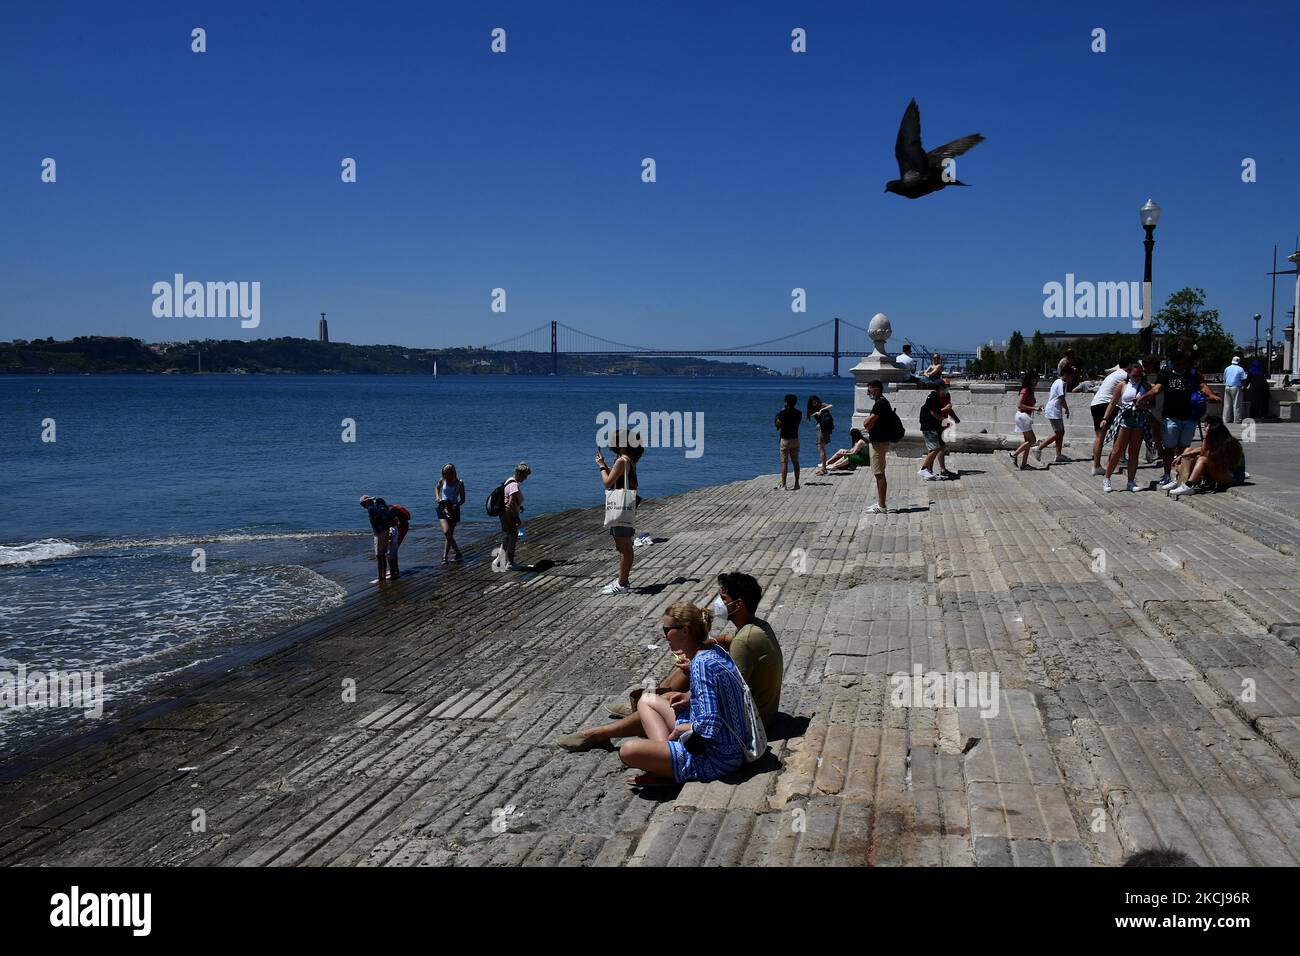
point(1056, 411)
point(1234, 376)
point(905, 361)
point(1100, 401)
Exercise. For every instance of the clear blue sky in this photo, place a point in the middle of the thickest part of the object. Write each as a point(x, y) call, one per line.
point(522, 170)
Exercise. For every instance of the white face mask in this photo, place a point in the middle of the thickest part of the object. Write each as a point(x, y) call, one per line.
point(719, 610)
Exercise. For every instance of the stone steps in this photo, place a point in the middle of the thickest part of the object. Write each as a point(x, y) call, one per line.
point(1116, 722)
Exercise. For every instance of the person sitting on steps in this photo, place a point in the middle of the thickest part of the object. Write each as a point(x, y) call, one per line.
point(855, 456)
point(753, 647)
point(707, 740)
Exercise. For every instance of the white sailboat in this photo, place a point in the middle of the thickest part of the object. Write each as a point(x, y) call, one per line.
point(435, 368)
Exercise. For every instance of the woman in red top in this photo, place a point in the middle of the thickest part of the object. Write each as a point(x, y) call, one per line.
point(1025, 408)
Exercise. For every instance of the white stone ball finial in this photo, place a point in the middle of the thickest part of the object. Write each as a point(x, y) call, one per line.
point(879, 329)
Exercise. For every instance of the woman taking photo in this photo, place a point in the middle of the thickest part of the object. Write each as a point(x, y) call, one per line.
point(1126, 416)
point(449, 494)
point(820, 416)
point(1025, 408)
point(704, 742)
point(622, 476)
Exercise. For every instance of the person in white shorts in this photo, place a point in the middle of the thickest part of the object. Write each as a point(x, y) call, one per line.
point(1025, 408)
point(1100, 402)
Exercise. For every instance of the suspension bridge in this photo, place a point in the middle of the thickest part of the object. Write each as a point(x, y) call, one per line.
point(561, 339)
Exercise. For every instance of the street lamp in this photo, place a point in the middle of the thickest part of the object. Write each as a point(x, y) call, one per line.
point(1256, 351)
point(1149, 215)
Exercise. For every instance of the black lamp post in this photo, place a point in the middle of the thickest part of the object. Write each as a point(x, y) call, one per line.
point(1150, 218)
point(1256, 352)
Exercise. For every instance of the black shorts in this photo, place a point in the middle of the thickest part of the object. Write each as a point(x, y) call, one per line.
point(1097, 412)
point(449, 511)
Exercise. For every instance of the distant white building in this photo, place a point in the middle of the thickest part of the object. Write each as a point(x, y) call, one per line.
point(324, 329)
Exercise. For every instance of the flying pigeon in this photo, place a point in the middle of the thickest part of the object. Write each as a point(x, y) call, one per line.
point(921, 173)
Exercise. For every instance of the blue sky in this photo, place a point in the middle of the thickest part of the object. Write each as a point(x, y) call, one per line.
point(522, 170)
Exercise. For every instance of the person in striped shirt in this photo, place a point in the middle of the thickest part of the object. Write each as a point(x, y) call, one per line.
point(705, 743)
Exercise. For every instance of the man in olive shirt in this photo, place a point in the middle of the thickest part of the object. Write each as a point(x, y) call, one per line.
point(754, 646)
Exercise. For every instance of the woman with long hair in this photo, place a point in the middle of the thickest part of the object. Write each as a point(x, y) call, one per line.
point(1219, 460)
point(629, 448)
point(449, 494)
point(705, 742)
point(1128, 425)
point(857, 454)
point(1025, 408)
point(820, 416)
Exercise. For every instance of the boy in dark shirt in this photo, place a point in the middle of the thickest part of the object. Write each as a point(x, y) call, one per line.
point(399, 524)
point(937, 407)
point(381, 522)
point(1177, 383)
point(879, 425)
point(787, 420)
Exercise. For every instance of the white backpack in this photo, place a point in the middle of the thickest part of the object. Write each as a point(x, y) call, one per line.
point(754, 741)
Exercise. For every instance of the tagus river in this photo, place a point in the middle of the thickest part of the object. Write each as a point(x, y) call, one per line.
point(248, 477)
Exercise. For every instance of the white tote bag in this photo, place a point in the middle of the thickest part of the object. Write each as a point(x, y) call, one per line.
point(620, 508)
point(620, 503)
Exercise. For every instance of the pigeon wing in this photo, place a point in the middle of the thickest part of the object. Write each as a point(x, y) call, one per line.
point(937, 155)
point(907, 148)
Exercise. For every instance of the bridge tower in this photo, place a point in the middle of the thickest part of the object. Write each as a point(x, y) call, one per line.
point(555, 366)
point(835, 350)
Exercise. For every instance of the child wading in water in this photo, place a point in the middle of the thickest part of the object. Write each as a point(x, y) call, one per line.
point(449, 495)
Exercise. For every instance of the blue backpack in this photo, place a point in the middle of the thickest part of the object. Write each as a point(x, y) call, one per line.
point(1199, 403)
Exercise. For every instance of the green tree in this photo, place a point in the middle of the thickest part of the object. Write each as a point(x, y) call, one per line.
point(1185, 314)
point(1016, 351)
point(1037, 351)
point(1104, 351)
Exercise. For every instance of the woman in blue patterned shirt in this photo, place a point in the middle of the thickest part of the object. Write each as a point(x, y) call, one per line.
point(704, 742)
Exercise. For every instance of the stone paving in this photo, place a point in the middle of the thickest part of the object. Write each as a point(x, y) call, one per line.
point(1145, 650)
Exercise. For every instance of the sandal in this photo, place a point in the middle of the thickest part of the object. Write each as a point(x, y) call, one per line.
point(650, 780)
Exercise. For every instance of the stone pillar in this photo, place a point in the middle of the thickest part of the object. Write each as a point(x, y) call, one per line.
point(875, 366)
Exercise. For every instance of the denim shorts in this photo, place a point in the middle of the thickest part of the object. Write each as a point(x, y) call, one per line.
point(1136, 418)
point(1179, 432)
